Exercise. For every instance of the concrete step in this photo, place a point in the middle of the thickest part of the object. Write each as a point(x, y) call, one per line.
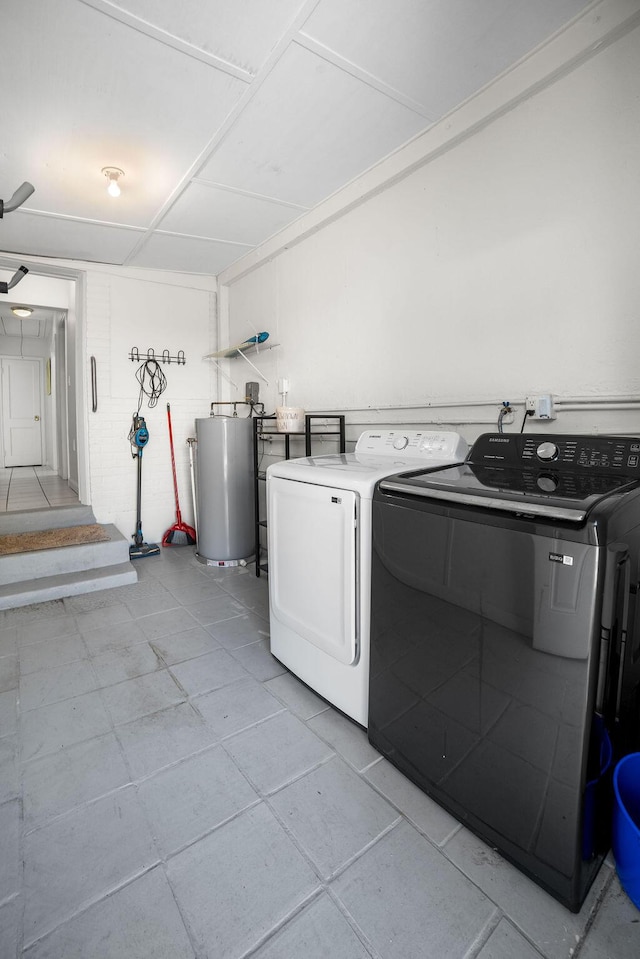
point(35, 564)
point(40, 575)
point(29, 521)
point(66, 584)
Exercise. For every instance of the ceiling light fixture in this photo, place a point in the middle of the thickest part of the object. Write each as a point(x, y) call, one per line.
point(113, 174)
point(21, 310)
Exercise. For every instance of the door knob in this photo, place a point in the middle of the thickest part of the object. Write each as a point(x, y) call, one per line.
point(37, 419)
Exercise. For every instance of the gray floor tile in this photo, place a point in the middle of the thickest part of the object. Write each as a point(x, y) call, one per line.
point(62, 724)
point(8, 672)
point(129, 662)
point(615, 933)
point(147, 603)
point(182, 646)
point(187, 593)
point(56, 683)
point(11, 866)
point(46, 628)
point(419, 898)
point(241, 586)
point(37, 618)
point(211, 671)
point(104, 616)
point(225, 884)
point(190, 799)
point(110, 639)
point(130, 593)
point(10, 914)
point(72, 776)
point(140, 921)
point(139, 697)
point(90, 602)
point(505, 942)
point(216, 610)
point(423, 812)
point(169, 576)
point(157, 625)
point(163, 738)
point(258, 661)
point(257, 603)
point(551, 927)
point(8, 712)
point(277, 751)
point(320, 931)
point(240, 630)
point(9, 773)
point(298, 697)
point(346, 737)
point(233, 708)
point(74, 860)
point(333, 814)
point(52, 652)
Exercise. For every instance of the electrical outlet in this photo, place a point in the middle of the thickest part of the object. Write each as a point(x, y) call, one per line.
point(541, 406)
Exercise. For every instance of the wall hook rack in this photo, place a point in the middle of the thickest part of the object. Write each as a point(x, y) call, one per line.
point(165, 357)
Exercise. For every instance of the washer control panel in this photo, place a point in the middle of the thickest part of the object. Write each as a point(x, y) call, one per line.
point(603, 454)
point(418, 444)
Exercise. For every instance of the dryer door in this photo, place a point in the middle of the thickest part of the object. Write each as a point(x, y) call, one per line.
point(313, 564)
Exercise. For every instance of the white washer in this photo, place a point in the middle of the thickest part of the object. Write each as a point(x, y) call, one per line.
point(319, 540)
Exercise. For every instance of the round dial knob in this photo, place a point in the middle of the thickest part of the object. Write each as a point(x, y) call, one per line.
point(547, 483)
point(547, 452)
point(400, 442)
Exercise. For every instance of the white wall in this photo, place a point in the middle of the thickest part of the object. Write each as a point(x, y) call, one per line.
point(504, 266)
point(160, 311)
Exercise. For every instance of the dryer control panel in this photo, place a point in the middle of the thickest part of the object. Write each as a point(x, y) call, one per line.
point(421, 444)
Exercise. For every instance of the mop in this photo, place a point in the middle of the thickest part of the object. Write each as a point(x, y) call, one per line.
point(180, 534)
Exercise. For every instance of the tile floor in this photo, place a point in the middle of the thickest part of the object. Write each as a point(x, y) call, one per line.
point(33, 487)
point(168, 790)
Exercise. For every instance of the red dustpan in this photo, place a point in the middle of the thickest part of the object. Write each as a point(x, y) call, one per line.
point(180, 534)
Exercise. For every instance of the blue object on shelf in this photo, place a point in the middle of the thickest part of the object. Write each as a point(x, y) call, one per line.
point(626, 825)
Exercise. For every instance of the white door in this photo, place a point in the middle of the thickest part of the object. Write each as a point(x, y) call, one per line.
point(21, 412)
point(313, 564)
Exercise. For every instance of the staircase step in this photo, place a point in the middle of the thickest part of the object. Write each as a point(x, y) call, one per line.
point(29, 521)
point(16, 567)
point(66, 584)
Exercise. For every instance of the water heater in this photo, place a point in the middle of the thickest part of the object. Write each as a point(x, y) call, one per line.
point(225, 490)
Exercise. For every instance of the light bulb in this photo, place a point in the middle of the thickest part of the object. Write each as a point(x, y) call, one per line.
point(113, 174)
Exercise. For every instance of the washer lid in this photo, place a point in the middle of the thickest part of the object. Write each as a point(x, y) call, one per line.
point(557, 494)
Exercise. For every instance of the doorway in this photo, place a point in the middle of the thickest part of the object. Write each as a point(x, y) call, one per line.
point(21, 380)
point(38, 389)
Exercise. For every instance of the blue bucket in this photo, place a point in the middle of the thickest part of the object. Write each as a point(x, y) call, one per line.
point(626, 825)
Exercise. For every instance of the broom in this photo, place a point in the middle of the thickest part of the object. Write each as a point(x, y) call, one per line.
point(180, 534)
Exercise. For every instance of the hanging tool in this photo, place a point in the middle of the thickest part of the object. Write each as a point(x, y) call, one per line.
point(139, 437)
point(180, 534)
